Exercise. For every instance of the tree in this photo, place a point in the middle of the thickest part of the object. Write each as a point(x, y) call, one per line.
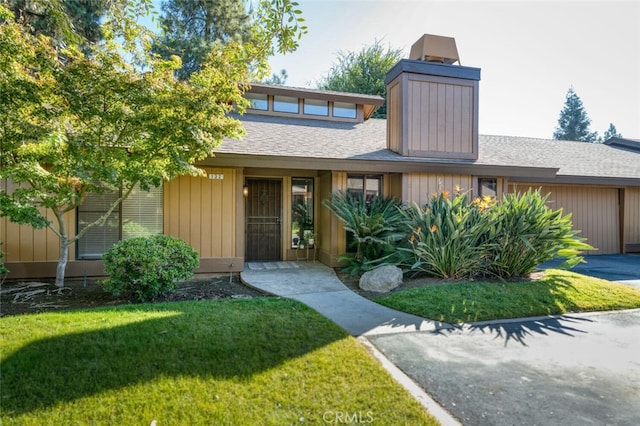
point(280, 78)
point(75, 122)
point(363, 72)
point(44, 18)
point(611, 132)
point(190, 28)
point(573, 123)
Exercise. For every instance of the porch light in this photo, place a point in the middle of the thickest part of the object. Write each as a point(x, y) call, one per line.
point(245, 190)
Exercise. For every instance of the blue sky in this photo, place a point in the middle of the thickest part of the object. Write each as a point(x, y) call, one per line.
point(529, 53)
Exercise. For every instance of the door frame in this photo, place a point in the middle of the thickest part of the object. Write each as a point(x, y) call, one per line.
point(247, 222)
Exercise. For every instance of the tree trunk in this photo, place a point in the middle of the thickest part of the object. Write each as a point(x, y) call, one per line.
point(62, 261)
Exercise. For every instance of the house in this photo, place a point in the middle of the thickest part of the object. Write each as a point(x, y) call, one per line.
point(262, 195)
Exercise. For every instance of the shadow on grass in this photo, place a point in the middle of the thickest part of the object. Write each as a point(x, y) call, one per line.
point(234, 340)
point(543, 307)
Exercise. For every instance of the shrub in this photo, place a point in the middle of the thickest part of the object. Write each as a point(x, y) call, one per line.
point(375, 224)
point(148, 267)
point(446, 236)
point(525, 232)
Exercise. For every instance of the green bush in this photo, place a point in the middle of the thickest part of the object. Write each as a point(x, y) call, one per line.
point(148, 267)
point(374, 223)
point(525, 232)
point(446, 237)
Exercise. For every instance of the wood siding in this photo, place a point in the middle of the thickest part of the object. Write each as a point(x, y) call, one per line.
point(329, 227)
point(594, 211)
point(418, 187)
point(433, 116)
point(23, 243)
point(204, 212)
point(394, 126)
point(440, 118)
point(631, 217)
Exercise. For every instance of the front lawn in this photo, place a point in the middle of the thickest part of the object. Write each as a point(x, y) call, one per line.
point(558, 292)
point(265, 361)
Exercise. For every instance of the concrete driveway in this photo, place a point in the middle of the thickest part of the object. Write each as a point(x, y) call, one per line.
point(579, 369)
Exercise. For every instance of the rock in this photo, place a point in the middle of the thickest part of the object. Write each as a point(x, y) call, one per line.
point(382, 279)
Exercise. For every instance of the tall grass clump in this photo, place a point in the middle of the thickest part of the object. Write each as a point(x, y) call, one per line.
point(375, 224)
point(524, 232)
point(458, 237)
point(446, 236)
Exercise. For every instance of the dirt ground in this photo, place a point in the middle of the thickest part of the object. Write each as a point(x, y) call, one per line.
point(29, 297)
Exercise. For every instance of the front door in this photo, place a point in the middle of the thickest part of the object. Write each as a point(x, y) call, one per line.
point(263, 213)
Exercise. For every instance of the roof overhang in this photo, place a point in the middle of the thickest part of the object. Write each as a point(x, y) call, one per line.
point(382, 166)
point(581, 180)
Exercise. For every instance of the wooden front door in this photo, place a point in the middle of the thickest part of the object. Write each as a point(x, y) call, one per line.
point(263, 213)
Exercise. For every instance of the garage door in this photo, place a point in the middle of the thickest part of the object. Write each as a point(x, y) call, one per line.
point(594, 211)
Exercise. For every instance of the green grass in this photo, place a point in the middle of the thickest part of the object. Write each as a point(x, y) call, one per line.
point(263, 361)
point(559, 292)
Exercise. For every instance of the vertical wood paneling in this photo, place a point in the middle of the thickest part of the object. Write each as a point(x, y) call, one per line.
point(594, 211)
point(449, 144)
point(440, 118)
point(457, 119)
point(393, 118)
point(206, 226)
point(631, 223)
point(203, 212)
point(23, 243)
point(420, 186)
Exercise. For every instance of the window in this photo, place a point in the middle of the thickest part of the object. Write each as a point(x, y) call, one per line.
point(301, 209)
point(488, 186)
point(367, 185)
point(344, 110)
point(139, 215)
point(258, 101)
point(286, 104)
point(315, 107)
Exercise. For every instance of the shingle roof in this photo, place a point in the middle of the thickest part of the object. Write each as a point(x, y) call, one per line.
point(319, 139)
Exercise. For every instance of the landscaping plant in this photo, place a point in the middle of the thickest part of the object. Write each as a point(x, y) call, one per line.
point(148, 267)
point(446, 236)
point(525, 232)
point(375, 224)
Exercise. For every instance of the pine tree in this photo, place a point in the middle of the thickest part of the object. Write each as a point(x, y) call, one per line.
point(190, 28)
point(573, 123)
point(611, 132)
point(43, 17)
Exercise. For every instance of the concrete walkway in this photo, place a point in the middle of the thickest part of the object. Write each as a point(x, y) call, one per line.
point(317, 286)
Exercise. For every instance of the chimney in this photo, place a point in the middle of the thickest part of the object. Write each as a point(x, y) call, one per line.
point(432, 105)
point(433, 48)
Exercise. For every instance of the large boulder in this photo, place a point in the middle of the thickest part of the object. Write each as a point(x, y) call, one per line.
point(382, 279)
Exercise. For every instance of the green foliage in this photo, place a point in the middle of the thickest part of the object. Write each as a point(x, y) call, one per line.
point(363, 72)
point(191, 29)
point(148, 267)
point(3, 269)
point(525, 232)
point(573, 123)
point(446, 236)
point(611, 132)
point(78, 118)
point(374, 223)
point(458, 238)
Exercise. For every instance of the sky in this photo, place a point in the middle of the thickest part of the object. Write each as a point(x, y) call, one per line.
point(529, 53)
